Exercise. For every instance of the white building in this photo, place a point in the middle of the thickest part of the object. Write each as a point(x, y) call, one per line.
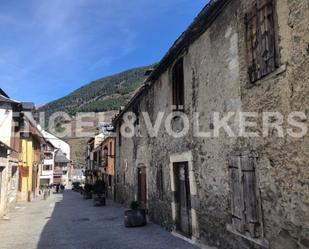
point(8, 153)
point(56, 168)
point(47, 174)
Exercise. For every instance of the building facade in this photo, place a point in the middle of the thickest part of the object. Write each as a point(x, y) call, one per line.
point(47, 172)
point(57, 168)
point(10, 148)
point(107, 149)
point(101, 163)
point(216, 188)
point(62, 168)
point(31, 156)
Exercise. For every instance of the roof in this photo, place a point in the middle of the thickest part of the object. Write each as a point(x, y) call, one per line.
point(2, 144)
point(3, 93)
point(28, 106)
point(6, 100)
point(61, 157)
point(200, 24)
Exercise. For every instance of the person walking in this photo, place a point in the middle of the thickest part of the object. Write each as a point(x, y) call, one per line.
point(46, 190)
point(62, 188)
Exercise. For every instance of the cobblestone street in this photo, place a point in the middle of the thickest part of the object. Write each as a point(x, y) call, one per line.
point(69, 222)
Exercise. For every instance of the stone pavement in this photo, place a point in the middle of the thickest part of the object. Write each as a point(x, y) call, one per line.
point(68, 222)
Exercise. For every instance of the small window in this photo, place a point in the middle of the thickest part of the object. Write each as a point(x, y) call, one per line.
point(261, 42)
point(110, 148)
point(160, 183)
point(178, 86)
point(109, 180)
point(246, 215)
point(136, 112)
point(119, 134)
point(47, 167)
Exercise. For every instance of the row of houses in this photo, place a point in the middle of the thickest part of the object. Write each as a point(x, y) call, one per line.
point(212, 188)
point(29, 156)
point(100, 159)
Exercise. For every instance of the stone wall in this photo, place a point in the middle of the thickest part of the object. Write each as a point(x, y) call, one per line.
point(216, 80)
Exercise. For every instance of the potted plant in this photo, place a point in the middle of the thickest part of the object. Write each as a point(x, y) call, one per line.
point(135, 217)
point(88, 191)
point(99, 191)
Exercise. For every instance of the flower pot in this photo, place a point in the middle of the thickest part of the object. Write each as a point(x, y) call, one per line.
point(135, 218)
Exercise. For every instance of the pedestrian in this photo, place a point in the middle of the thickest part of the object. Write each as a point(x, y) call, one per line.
point(62, 188)
point(57, 188)
point(46, 190)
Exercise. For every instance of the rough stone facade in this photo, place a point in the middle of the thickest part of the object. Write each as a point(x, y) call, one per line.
point(216, 80)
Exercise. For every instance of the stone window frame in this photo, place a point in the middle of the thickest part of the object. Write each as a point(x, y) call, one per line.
point(178, 158)
point(261, 241)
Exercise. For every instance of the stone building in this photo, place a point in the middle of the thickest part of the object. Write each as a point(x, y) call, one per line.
point(108, 164)
point(101, 163)
point(215, 188)
point(9, 151)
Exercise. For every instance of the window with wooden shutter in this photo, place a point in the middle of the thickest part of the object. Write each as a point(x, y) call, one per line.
point(178, 85)
point(251, 213)
point(260, 38)
point(244, 199)
point(237, 201)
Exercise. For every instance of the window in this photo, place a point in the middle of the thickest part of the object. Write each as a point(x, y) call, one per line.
point(119, 134)
point(246, 218)
point(109, 180)
point(160, 183)
point(47, 167)
point(110, 148)
point(136, 112)
point(105, 156)
point(260, 38)
point(48, 156)
point(178, 86)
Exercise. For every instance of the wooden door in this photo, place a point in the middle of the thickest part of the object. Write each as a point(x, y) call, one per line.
point(182, 199)
point(142, 187)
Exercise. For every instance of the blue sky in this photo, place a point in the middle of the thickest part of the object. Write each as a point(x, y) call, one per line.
point(49, 48)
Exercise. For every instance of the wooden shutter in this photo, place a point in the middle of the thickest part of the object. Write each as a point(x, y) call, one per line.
point(178, 84)
point(260, 38)
point(250, 196)
point(237, 201)
point(266, 38)
point(252, 45)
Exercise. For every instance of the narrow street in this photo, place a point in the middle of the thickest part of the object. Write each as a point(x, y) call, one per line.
point(69, 222)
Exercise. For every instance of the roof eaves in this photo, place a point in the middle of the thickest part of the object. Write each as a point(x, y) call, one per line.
point(200, 24)
point(131, 102)
point(2, 144)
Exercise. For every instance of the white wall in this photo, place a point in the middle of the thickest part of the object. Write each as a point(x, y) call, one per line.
point(6, 115)
point(58, 143)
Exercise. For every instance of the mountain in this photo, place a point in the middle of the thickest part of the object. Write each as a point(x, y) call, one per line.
point(101, 96)
point(108, 93)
